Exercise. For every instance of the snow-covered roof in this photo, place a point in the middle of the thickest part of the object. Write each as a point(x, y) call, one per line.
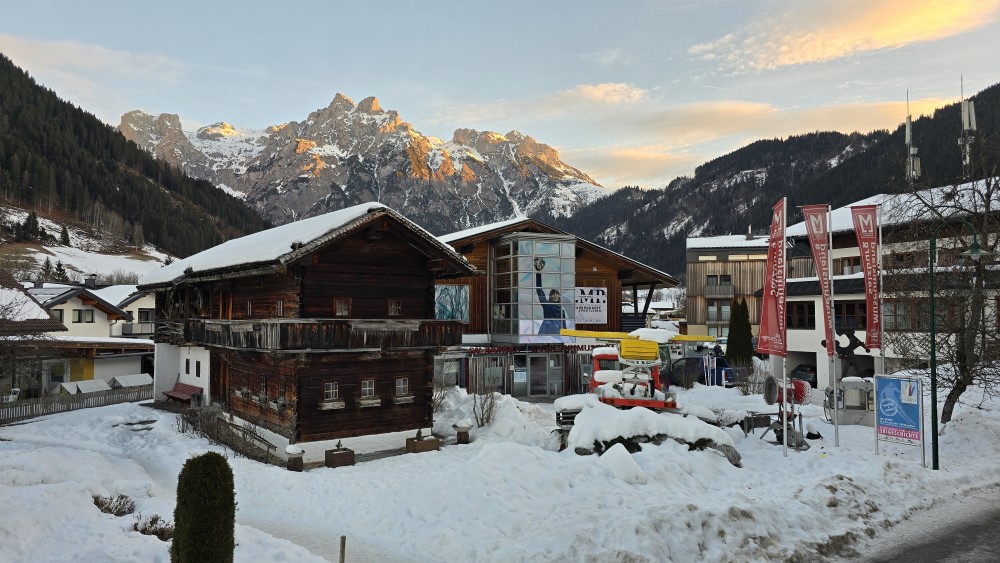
point(898, 209)
point(133, 380)
point(20, 313)
point(459, 235)
point(727, 241)
point(115, 294)
point(278, 244)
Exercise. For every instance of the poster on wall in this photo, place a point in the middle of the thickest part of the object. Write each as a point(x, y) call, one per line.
point(592, 305)
point(544, 307)
point(451, 303)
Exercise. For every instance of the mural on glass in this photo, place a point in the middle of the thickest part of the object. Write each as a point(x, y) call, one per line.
point(546, 286)
point(451, 302)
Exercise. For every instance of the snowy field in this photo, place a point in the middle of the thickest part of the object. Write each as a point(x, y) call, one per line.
point(510, 495)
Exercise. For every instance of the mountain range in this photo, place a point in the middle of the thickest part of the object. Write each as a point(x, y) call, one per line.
point(349, 153)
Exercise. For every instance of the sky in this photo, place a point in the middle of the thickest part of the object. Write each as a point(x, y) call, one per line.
point(509, 495)
point(633, 93)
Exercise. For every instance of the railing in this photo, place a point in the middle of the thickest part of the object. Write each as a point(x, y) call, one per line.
point(311, 334)
point(133, 329)
point(24, 409)
point(720, 292)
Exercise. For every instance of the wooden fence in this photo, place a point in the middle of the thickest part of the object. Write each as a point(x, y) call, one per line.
point(24, 409)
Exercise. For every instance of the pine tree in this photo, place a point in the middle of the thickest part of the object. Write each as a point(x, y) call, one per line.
point(64, 237)
point(47, 271)
point(60, 273)
point(739, 349)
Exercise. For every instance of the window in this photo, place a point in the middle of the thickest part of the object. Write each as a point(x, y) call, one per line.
point(801, 314)
point(367, 388)
point(342, 307)
point(146, 315)
point(263, 386)
point(402, 386)
point(533, 284)
point(279, 308)
point(718, 332)
point(850, 314)
point(848, 265)
point(718, 310)
point(331, 391)
point(395, 308)
point(722, 279)
point(897, 315)
point(83, 315)
point(57, 314)
point(187, 366)
point(704, 258)
point(249, 309)
point(197, 369)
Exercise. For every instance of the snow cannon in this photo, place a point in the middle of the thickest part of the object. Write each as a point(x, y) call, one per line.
point(798, 392)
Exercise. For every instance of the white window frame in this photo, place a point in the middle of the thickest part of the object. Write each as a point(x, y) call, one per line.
point(367, 388)
point(331, 391)
point(402, 386)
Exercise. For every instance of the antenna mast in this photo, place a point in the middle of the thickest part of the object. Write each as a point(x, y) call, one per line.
point(968, 131)
point(912, 161)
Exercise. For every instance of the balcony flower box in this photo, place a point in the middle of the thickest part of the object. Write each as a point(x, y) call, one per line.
point(403, 399)
point(332, 405)
point(370, 402)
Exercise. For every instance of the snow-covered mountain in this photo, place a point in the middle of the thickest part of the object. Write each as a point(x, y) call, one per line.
point(351, 153)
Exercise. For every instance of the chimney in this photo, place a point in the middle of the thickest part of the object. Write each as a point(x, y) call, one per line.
point(90, 282)
point(749, 232)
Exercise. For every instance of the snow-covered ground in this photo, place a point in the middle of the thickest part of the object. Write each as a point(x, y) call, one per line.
point(510, 495)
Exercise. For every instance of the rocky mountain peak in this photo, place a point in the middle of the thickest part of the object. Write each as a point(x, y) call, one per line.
point(370, 105)
point(220, 130)
point(343, 102)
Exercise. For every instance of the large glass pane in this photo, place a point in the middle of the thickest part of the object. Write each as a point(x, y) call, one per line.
point(546, 249)
point(524, 247)
point(568, 250)
point(538, 372)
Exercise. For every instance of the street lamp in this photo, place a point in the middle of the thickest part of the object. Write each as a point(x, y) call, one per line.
point(975, 253)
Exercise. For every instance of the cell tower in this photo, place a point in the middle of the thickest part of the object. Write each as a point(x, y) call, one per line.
point(912, 161)
point(968, 132)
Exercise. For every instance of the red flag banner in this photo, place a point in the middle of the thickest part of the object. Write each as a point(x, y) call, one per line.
point(866, 230)
point(817, 231)
point(773, 329)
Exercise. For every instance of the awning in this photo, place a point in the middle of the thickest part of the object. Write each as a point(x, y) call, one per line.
point(183, 392)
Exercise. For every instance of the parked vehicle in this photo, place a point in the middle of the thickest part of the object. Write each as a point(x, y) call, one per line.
point(805, 372)
point(701, 369)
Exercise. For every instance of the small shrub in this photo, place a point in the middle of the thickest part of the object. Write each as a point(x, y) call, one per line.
point(205, 516)
point(154, 526)
point(117, 505)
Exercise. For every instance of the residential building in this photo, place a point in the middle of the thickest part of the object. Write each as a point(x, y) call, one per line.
point(25, 326)
point(316, 330)
point(720, 271)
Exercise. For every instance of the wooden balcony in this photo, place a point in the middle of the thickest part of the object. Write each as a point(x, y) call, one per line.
point(310, 334)
point(720, 292)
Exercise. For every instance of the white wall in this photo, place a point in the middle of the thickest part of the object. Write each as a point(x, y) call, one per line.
point(101, 327)
point(166, 368)
point(109, 368)
point(179, 364)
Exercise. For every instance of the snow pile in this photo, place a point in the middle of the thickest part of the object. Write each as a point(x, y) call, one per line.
point(509, 495)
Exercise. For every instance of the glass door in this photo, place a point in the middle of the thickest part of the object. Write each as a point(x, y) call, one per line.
point(538, 375)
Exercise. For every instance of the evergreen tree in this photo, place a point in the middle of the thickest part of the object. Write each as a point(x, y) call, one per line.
point(64, 237)
point(739, 349)
point(47, 271)
point(60, 273)
point(205, 515)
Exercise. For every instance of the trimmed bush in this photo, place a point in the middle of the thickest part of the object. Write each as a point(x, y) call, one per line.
point(205, 516)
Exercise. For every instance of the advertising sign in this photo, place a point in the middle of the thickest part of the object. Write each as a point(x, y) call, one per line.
point(866, 231)
point(773, 330)
point(817, 231)
point(591, 305)
point(898, 416)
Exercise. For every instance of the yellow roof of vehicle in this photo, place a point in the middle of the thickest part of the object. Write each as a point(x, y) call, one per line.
point(609, 335)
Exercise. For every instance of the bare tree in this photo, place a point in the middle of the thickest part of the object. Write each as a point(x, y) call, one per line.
point(966, 325)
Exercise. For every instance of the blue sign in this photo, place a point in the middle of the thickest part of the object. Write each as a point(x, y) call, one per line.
point(898, 416)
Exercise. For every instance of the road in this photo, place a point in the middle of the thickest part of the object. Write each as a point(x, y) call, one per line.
point(964, 530)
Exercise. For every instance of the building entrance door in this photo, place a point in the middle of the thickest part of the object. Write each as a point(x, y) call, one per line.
point(538, 375)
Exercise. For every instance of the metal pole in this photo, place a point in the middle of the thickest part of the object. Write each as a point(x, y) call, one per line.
point(833, 327)
point(784, 374)
point(934, 417)
point(881, 314)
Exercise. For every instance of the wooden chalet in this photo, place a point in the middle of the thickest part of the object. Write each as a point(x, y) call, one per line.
point(540, 279)
point(317, 330)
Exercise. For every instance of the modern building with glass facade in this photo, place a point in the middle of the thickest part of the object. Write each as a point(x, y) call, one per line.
point(538, 280)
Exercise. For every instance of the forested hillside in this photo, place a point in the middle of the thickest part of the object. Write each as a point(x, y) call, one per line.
point(736, 191)
point(59, 160)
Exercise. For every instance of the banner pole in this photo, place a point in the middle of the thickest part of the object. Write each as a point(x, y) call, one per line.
point(833, 328)
point(881, 330)
point(784, 374)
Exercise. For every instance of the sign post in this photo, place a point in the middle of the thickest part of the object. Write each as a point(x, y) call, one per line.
point(899, 411)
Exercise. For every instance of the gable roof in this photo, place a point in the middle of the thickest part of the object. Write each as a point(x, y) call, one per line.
point(630, 272)
point(274, 248)
point(20, 313)
point(51, 295)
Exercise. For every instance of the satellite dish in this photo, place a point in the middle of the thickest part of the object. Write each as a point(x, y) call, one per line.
point(770, 390)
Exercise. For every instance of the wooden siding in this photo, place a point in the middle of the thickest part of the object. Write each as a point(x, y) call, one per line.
point(310, 334)
point(370, 274)
point(747, 277)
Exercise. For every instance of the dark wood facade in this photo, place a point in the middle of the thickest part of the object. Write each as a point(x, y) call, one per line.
point(338, 342)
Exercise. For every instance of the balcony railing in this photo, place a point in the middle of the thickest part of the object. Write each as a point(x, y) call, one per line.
point(720, 292)
point(718, 317)
point(138, 329)
point(310, 334)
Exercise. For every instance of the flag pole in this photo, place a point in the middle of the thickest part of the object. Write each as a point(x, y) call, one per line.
point(784, 374)
point(881, 311)
point(833, 328)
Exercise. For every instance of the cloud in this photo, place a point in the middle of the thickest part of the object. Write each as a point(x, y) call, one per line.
point(605, 56)
point(91, 76)
point(809, 31)
point(645, 166)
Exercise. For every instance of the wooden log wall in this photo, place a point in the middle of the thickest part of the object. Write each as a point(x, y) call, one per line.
point(370, 273)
